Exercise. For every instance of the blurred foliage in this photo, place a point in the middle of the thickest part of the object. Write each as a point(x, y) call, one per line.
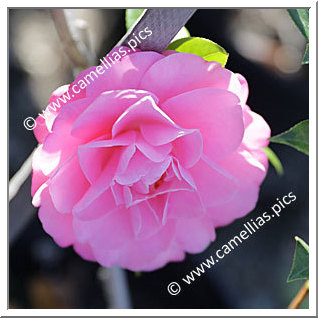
point(274, 160)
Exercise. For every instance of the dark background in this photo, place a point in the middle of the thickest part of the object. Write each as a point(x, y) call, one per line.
point(265, 47)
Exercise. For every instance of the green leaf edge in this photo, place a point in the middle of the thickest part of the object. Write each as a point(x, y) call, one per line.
point(306, 55)
point(174, 45)
point(277, 140)
point(297, 17)
point(306, 247)
point(298, 20)
point(127, 12)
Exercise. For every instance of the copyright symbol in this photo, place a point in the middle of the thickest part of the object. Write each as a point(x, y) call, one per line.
point(174, 288)
point(29, 123)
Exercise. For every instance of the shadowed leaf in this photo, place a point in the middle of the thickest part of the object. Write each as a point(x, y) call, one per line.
point(300, 267)
point(297, 137)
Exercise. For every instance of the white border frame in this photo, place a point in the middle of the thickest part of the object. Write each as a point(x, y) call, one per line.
point(312, 163)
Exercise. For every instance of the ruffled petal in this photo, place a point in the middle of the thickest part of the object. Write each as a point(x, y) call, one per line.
point(103, 204)
point(94, 156)
point(145, 111)
point(102, 113)
point(257, 131)
point(144, 221)
point(154, 153)
point(182, 72)
point(70, 177)
point(44, 123)
point(216, 113)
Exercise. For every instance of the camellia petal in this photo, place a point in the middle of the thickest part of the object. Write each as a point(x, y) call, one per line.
point(216, 112)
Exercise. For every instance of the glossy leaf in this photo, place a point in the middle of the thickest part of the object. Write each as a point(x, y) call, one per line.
point(297, 137)
point(301, 19)
point(300, 267)
point(207, 49)
point(274, 160)
point(306, 56)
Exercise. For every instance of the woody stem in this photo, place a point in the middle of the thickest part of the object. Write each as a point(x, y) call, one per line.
point(300, 296)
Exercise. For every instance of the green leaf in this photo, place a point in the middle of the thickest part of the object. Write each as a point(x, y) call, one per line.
point(207, 49)
point(301, 19)
point(306, 56)
point(132, 15)
point(300, 267)
point(297, 137)
point(274, 160)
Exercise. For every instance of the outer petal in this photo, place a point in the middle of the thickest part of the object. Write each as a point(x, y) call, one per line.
point(58, 225)
point(45, 161)
point(85, 251)
point(183, 72)
point(215, 113)
point(244, 88)
point(102, 205)
point(38, 178)
point(257, 131)
point(110, 232)
point(138, 254)
point(60, 139)
point(125, 74)
point(68, 178)
point(215, 186)
point(249, 174)
point(44, 125)
point(202, 233)
point(176, 74)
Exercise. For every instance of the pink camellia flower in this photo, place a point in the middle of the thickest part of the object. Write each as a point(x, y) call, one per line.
point(148, 160)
